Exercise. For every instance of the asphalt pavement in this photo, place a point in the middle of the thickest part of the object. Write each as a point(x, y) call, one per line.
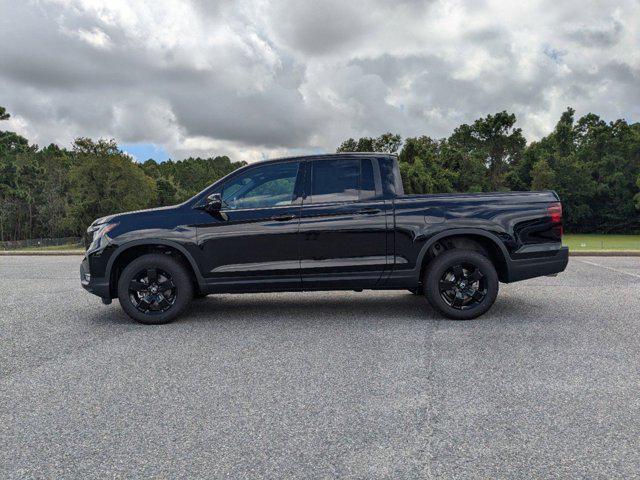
point(322, 385)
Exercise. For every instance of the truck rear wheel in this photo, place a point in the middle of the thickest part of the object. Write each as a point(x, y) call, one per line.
point(461, 284)
point(154, 289)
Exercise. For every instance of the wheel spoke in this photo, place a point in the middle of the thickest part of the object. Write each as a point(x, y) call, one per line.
point(477, 296)
point(457, 272)
point(138, 286)
point(144, 303)
point(152, 291)
point(152, 275)
point(163, 302)
point(475, 275)
point(457, 301)
point(446, 285)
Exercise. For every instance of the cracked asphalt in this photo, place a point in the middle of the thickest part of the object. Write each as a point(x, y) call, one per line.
point(322, 385)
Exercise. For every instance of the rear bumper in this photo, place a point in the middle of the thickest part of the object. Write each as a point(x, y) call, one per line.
point(555, 262)
point(97, 286)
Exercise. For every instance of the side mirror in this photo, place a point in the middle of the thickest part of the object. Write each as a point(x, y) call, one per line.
point(214, 203)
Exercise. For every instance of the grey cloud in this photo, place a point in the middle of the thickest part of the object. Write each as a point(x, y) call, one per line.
point(597, 36)
point(84, 85)
point(315, 28)
point(276, 117)
point(300, 76)
point(436, 99)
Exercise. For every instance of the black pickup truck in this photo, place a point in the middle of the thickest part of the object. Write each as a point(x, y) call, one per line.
point(326, 222)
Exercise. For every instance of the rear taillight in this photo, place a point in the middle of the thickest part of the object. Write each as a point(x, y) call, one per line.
point(555, 212)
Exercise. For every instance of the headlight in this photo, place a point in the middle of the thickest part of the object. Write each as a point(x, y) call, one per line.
point(101, 230)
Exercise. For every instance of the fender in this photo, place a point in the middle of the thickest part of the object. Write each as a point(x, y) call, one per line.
point(154, 241)
point(464, 231)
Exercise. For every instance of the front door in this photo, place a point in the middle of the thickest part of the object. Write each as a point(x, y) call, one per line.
point(343, 224)
point(253, 243)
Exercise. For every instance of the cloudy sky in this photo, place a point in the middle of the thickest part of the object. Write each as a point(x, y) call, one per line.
point(255, 79)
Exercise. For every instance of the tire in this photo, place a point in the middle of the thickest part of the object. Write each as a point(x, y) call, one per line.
point(141, 284)
point(461, 284)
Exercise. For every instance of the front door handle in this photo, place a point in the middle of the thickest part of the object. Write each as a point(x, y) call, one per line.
point(368, 211)
point(283, 218)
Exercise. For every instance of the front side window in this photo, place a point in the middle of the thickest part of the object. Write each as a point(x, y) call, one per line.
point(259, 187)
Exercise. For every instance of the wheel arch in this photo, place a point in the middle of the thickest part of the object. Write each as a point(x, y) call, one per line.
point(127, 252)
point(489, 244)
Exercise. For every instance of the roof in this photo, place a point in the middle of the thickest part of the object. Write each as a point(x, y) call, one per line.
point(320, 156)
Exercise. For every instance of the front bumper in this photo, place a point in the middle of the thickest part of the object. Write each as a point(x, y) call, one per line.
point(96, 285)
point(553, 262)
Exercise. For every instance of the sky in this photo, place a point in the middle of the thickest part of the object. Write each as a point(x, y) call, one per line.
point(257, 79)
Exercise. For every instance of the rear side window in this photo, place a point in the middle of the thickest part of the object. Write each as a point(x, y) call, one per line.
point(367, 180)
point(342, 180)
point(391, 180)
point(335, 180)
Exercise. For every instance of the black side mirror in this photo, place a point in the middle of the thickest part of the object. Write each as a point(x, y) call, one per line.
point(214, 203)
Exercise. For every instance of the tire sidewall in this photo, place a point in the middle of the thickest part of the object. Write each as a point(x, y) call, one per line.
point(436, 270)
point(179, 275)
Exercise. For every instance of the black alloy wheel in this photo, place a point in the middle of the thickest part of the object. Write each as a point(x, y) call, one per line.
point(155, 288)
point(152, 291)
point(461, 284)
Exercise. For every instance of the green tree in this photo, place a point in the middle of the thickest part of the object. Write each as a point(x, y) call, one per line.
point(53, 199)
point(349, 145)
point(16, 194)
point(105, 181)
point(542, 176)
point(422, 167)
point(593, 165)
point(611, 152)
point(167, 192)
point(468, 167)
point(496, 141)
point(386, 143)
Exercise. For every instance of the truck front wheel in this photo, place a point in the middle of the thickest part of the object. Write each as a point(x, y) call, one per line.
point(461, 284)
point(154, 289)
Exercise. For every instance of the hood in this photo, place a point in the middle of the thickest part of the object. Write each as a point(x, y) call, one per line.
point(145, 212)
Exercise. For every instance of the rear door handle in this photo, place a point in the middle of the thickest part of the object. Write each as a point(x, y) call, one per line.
point(283, 218)
point(368, 211)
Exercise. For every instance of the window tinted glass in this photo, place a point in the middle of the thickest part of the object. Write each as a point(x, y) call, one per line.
point(367, 182)
point(335, 180)
point(391, 180)
point(268, 186)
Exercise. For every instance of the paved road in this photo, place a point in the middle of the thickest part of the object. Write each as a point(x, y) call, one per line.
point(322, 385)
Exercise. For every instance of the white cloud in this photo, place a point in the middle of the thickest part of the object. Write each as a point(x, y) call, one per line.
point(255, 78)
point(94, 37)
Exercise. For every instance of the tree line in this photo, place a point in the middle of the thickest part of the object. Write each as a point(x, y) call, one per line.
point(58, 192)
point(593, 165)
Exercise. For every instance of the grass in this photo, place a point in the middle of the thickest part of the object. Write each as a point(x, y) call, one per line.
point(49, 248)
point(596, 242)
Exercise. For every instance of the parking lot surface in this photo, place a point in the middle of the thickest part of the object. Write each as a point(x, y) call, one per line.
point(322, 385)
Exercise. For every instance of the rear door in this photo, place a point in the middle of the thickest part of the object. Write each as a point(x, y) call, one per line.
point(343, 224)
